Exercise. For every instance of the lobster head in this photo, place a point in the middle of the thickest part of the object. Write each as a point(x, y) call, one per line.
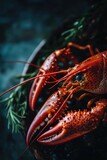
point(90, 75)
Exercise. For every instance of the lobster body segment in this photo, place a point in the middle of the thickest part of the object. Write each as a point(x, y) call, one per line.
point(59, 123)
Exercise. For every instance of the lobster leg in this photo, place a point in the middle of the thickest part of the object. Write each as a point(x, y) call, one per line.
point(50, 65)
point(71, 44)
point(75, 124)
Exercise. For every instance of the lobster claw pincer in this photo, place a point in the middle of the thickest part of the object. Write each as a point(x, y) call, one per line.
point(38, 84)
point(48, 110)
point(50, 65)
point(75, 124)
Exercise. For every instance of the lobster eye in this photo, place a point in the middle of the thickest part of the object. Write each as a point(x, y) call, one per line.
point(79, 77)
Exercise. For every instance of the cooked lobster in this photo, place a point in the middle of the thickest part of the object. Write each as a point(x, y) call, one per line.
point(55, 123)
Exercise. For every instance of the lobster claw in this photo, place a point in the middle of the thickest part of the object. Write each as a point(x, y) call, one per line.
point(74, 124)
point(48, 110)
point(38, 84)
point(50, 65)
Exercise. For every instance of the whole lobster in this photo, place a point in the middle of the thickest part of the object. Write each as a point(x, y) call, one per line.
point(55, 123)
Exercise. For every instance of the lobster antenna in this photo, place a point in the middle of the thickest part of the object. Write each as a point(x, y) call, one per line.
point(25, 81)
point(20, 157)
point(58, 81)
point(31, 64)
point(20, 61)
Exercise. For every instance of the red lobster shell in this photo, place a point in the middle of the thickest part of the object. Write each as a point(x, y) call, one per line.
point(89, 76)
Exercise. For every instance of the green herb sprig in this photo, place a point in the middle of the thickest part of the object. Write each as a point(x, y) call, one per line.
point(15, 111)
point(76, 28)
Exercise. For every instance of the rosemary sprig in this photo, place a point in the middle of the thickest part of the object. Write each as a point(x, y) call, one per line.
point(16, 105)
point(76, 28)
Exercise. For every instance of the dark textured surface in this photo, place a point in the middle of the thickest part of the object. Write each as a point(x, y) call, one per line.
point(23, 24)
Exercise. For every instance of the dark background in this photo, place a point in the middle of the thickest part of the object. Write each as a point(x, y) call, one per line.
point(23, 24)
